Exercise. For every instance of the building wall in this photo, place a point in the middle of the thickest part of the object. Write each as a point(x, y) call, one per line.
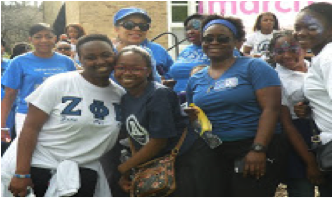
point(97, 16)
point(51, 10)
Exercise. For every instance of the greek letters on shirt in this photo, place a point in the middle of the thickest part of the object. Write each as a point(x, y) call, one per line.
point(136, 131)
point(225, 84)
point(193, 57)
point(71, 112)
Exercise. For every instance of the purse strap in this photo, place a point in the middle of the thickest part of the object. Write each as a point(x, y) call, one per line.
point(174, 151)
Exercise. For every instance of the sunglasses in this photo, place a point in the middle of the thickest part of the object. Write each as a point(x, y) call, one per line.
point(64, 48)
point(130, 25)
point(219, 39)
point(132, 70)
point(292, 49)
point(194, 24)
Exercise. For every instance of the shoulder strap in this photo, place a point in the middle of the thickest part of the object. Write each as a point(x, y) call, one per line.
point(175, 151)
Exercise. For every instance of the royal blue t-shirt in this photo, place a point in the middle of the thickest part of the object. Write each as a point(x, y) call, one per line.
point(11, 116)
point(26, 72)
point(230, 101)
point(180, 71)
point(4, 66)
point(161, 56)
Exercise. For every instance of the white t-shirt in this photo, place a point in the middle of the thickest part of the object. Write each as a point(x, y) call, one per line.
point(84, 119)
point(258, 41)
point(292, 87)
point(318, 89)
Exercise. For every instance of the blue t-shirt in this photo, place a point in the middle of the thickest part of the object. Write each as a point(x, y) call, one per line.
point(26, 72)
point(155, 114)
point(180, 71)
point(4, 66)
point(230, 101)
point(161, 56)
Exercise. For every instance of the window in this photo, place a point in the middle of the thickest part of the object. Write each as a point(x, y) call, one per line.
point(178, 11)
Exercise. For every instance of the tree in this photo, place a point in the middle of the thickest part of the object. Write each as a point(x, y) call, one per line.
point(16, 19)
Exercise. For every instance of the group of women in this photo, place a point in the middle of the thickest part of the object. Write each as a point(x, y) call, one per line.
point(74, 118)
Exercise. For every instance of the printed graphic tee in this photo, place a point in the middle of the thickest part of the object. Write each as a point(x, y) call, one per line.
point(25, 73)
point(84, 119)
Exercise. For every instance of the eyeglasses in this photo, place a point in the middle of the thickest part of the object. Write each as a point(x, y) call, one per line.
point(219, 39)
point(292, 49)
point(64, 48)
point(132, 70)
point(130, 25)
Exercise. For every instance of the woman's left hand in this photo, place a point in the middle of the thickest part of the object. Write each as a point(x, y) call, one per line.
point(255, 164)
point(125, 183)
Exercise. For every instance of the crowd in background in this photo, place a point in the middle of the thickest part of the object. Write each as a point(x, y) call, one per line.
point(74, 106)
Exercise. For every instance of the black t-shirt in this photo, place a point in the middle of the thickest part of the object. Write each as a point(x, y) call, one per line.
point(155, 114)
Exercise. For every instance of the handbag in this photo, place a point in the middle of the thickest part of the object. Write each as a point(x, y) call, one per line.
point(156, 177)
point(323, 151)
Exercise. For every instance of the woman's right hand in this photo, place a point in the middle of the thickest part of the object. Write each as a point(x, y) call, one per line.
point(313, 173)
point(302, 110)
point(192, 113)
point(19, 186)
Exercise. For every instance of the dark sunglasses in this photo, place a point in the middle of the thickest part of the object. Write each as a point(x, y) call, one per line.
point(130, 25)
point(64, 48)
point(193, 24)
point(219, 39)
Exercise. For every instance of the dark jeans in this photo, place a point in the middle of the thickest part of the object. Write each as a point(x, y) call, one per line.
point(235, 185)
point(41, 177)
point(300, 187)
point(325, 190)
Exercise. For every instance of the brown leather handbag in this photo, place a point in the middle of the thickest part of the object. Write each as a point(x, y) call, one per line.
point(156, 178)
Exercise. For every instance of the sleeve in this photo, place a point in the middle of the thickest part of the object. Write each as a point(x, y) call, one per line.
point(250, 40)
point(168, 62)
point(262, 75)
point(161, 116)
point(326, 72)
point(46, 96)
point(71, 65)
point(13, 76)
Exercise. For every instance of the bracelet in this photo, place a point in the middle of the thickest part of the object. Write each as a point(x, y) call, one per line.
point(22, 176)
point(5, 129)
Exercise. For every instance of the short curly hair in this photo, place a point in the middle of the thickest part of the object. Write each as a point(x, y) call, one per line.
point(78, 27)
point(235, 21)
point(92, 37)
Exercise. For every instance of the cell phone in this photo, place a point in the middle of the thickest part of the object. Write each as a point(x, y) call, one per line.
point(239, 164)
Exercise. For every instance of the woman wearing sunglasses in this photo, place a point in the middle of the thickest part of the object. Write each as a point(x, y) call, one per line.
point(302, 173)
point(190, 57)
point(241, 97)
point(132, 25)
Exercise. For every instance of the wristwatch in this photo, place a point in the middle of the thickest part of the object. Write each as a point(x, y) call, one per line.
point(256, 147)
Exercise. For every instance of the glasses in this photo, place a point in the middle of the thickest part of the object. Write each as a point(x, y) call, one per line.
point(219, 39)
point(292, 49)
point(130, 25)
point(132, 70)
point(64, 48)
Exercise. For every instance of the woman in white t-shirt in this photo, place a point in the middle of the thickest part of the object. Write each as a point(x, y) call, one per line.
point(313, 30)
point(302, 170)
point(257, 43)
point(73, 119)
